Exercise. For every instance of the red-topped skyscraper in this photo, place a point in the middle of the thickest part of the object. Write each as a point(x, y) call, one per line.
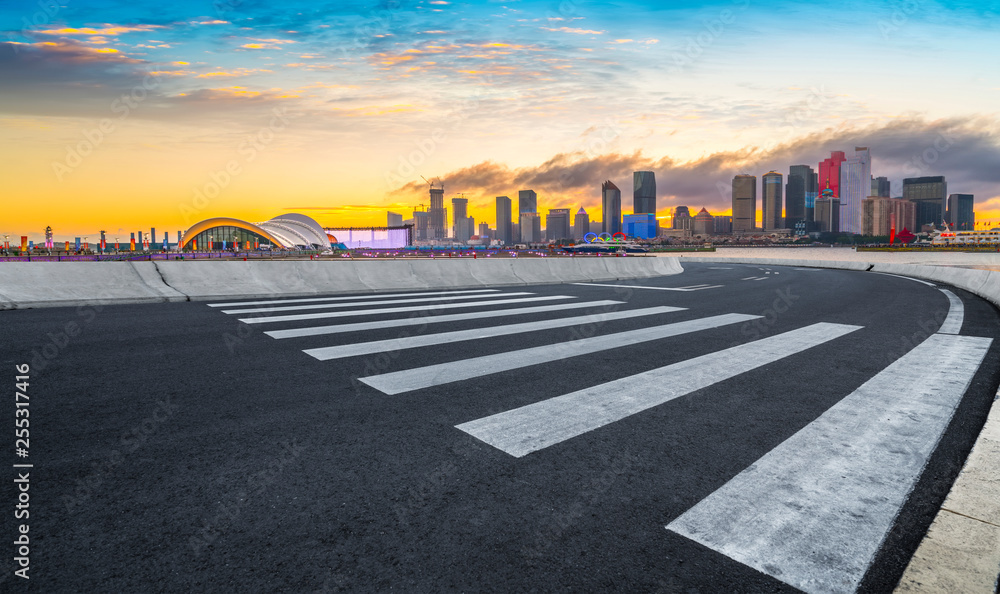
point(829, 172)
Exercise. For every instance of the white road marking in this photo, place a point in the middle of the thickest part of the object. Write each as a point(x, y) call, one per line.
point(420, 320)
point(956, 314)
point(412, 342)
point(364, 303)
point(408, 380)
point(814, 511)
point(808, 269)
point(693, 288)
point(923, 282)
point(349, 297)
point(749, 278)
point(536, 426)
point(761, 278)
point(385, 310)
point(718, 268)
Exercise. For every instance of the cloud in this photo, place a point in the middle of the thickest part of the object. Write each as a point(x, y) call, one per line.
point(574, 30)
point(965, 150)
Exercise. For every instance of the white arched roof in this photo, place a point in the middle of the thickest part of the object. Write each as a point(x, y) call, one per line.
point(296, 229)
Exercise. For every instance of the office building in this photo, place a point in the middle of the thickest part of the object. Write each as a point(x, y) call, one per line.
point(531, 227)
point(437, 223)
point(961, 212)
point(557, 224)
point(640, 225)
point(581, 224)
point(723, 224)
point(421, 224)
point(800, 195)
point(527, 202)
point(744, 203)
point(643, 192)
point(929, 194)
point(855, 185)
point(459, 212)
point(829, 172)
point(880, 187)
point(394, 219)
point(485, 231)
point(772, 202)
point(505, 229)
point(880, 215)
point(611, 208)
point(828, 212)
point(704, 223)
point(464, 229)
point(682, 218)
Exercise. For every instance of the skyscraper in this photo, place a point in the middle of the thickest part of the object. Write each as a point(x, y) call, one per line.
point(929, 194)
point(800, 195)
point(421, 224)
point(828, 211)
point(437, 221)
point(393, 219)
point(829, 172)
point(704, 223)
point(460, 212)
point(531, 227)
point(744, 203)
point(961, 215)
point(611, 205)
point(504, 228)
point(855, 184)
point(771, 215)
point(643, 192)
point(557, 224)
point(527, 203)
point(581, 224)
point(880, 187)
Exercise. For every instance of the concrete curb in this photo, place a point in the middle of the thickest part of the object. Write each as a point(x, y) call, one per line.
point(51, 284)
point(961, 551)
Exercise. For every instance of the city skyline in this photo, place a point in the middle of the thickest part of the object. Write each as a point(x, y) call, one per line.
point(119, 117)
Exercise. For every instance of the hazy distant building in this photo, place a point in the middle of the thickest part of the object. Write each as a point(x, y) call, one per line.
point(460, 212)
point(485, 231)
point(929, 194)
point(464, 229)
point(643, 192)
point(772, 202)
point(855, 185)
point(640, 225)
point(744, 203)
point(880, 214)
point(801, 192)
point(527, 202)
point(557, 224)
point(421, 220)
point(394, 219)
point(505, 230)
point(961, 212)
point(829, 172)
point(682, 218)
point(531, 228)
point(704, 223)
point(828, 211)
point(880, 187)
point(581, 224)
point(723, 224)
point(611, 205)
point(437, 223)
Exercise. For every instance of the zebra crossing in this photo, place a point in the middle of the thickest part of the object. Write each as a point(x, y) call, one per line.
point(812, 512)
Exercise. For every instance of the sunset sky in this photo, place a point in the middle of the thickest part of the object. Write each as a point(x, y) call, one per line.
point(125, 115)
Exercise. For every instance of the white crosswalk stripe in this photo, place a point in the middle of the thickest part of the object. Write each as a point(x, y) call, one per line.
point(411, 342)
point(350, 297)
point(435, 375)
point(813, 511)
point(358, 303)
point(536, 426)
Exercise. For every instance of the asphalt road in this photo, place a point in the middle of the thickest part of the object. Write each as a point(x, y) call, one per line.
point(760, 431)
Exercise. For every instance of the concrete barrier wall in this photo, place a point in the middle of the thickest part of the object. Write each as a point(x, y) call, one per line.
point(41, 284)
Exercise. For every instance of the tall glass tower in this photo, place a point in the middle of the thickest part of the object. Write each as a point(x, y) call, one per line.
point(771, 216)
point(855, 185)
point(744, 203)
point(611, 204)
point(504, 229)
point(643, 192)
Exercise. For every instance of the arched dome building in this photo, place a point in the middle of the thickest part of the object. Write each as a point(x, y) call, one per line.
point(288, 231)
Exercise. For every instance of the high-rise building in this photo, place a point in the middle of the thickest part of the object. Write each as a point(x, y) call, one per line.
point(394, 219)
point(485, 231)
point(557, 224)
point(855, 184)
point(930, 195)
point(744, 203)
point(800, 195)
point(704, 223)
point(531, 227)
point(772, 203)
point(961, 212)
point(152, 237)
point(643, 192)
point(504, 226)
point(880, 187)
point(723, 224)
point(640, 225)
point(459, 212)
point(880, 214)
point(437, 222)
point(464, 229)
point(527, 202)
point(611, 205)
point(829, 172)
point(828, 211)
point(421, 222)
point(581, 224)
point(682, 218)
